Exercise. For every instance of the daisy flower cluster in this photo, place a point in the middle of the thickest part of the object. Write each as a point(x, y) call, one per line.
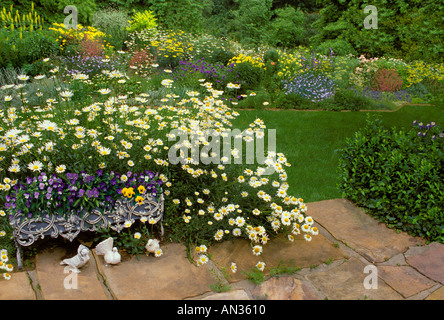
point(208, 199)
point(244, 201)
point(5, 267)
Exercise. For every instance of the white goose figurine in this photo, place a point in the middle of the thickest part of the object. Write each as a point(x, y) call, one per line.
point(78, 260)
point(110, 253)
point(113, 256)
point(152, 245)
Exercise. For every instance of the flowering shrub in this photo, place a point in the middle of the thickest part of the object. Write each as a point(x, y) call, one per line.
point(90, 48)
point(317, 63)
point(142, 61)
point(386, 81)
point(241, 58)
point(310, 86)
point(89, 65)
point(363, 74)
point(169, 47)
point(289, 64)
point(23, 22)
point(75, 36)
point(419, 71)
point(218, 74)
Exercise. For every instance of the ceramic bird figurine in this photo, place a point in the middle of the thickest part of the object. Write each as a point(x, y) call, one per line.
point(78, 260)
point(152, 246)
point(112, 257)
point(106, 248)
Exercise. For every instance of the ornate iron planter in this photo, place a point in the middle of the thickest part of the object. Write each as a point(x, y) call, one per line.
point(28, 230)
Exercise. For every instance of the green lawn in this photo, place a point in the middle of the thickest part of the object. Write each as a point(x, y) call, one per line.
point(309, 140)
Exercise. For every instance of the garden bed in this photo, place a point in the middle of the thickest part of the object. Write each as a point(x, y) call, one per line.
point(93, 105)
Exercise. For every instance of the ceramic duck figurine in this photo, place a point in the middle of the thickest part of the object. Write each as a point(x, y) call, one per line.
point(106, 248)
point(152, 246)
point(78, 260)
point(112, 256)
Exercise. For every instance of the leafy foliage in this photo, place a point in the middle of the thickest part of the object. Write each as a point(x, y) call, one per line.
point(141, 21)
point(398, 176)
point(407, 29)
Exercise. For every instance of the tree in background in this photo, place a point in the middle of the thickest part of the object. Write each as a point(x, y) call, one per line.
point(408, 29)
point(287, 28)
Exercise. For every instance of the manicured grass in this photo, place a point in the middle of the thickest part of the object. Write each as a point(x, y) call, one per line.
point(309, 140)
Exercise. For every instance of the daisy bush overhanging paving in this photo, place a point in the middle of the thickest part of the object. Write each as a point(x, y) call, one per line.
point(205, 203)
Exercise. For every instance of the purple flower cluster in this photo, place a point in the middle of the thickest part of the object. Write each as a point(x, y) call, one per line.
point(401, 95)
point(75, 193)
point(218, 73)
point(310, 86)
point(312, 64)
point(431, 129)
point(90, 65)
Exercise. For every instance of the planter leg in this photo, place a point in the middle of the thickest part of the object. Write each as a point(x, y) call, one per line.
point(19, 255)
point(162, 232)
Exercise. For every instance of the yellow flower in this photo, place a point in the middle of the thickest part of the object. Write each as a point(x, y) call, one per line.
point(139, 200)
point(128, 192)
point(141, 189)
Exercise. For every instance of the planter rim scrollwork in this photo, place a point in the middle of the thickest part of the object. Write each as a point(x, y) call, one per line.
point(27, 230)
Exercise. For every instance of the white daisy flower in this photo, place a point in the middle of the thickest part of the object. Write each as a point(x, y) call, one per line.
point(60, 169)
point(22, 77)
point(257, 250)
point(260, 265)
point(35, 166)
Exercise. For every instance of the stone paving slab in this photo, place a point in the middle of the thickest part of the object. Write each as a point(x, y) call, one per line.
point(405, 280)
point(237, 294)
point(168, 277)
point(364, 234)
point(428, 259)
point(283, 288)
point(299, 253)
point(58, 283)
point(346, 282)
point(436, 295)
point(17, 288)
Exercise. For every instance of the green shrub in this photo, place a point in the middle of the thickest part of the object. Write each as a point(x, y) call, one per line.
point(339, 46)
point(141, 21)
point(288, 28)
point(294, 101)
point(271, 55)
point(398, 176)
point(348, 99)
point(25, 48)
point(248, 75)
